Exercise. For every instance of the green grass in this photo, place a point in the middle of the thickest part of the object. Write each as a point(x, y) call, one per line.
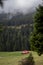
point(13, 58)
point(38, 59)
point(8, 54)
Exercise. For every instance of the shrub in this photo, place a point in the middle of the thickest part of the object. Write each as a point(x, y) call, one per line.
point(27, 61)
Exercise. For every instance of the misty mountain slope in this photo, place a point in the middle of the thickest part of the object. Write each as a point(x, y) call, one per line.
point(17, 19)
point(4, 18)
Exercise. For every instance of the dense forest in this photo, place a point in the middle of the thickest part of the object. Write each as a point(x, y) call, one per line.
point(15, 38)
point(15, 31)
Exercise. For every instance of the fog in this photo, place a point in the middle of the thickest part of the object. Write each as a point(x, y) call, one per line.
point(24, 6)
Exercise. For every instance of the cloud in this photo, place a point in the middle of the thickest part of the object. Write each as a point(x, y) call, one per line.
point(19, 5)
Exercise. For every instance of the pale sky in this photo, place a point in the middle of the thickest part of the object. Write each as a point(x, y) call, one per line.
point(20, 5)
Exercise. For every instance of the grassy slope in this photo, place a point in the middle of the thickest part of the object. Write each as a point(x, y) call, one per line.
point(12, 58)
point(38, 59)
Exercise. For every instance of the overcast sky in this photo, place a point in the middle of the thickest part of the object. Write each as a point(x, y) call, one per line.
point(19, 5)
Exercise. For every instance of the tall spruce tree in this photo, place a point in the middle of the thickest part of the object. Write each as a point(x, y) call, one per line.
point(36, 38)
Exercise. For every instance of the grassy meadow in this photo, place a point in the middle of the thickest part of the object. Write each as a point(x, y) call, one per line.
point(13, 58)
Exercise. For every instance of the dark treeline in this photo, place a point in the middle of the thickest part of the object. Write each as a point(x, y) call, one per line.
point(14, 38)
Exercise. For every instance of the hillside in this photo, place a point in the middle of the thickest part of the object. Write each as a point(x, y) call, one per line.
point(18, 19)
point(15, 32)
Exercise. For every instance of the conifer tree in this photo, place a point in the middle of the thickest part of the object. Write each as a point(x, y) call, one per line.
point(36, 38)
